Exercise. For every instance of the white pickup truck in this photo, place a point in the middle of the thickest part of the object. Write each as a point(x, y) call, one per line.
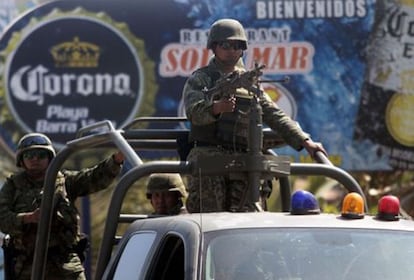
point(263, 245)
point(297, 243)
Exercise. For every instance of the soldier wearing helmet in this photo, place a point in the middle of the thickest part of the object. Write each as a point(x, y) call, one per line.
point(166, 192)
point(20, 199)
point(224, 30)
point(217, 127)
point(33, 143)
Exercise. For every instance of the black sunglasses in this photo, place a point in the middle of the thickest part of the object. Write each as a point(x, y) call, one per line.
point(40, 154)
point(227, 45)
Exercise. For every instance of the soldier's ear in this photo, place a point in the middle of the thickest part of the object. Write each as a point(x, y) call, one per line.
point(214, 47)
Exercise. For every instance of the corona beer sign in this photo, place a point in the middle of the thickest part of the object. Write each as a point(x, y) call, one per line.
point(71, 69)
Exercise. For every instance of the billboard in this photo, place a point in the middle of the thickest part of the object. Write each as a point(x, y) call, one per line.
point(66, 64)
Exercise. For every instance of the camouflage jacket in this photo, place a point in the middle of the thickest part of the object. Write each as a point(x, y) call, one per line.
point(199, 108)
point(20, 194)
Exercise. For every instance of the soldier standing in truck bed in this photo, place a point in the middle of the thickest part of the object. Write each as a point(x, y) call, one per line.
point(217, 128)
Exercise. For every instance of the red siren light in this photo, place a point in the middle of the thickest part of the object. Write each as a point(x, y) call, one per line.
point(388, 208)
point(353, 206)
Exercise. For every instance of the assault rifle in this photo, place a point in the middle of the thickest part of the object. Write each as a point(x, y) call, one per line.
point(234, 80)
point(248, 80)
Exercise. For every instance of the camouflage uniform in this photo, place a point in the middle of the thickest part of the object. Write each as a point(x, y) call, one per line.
point(20, 194)
point(219, 193)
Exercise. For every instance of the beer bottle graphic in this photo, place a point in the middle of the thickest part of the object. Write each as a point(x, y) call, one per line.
point(386, 109)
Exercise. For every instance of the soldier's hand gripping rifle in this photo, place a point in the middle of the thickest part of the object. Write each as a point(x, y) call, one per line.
point(226, 85)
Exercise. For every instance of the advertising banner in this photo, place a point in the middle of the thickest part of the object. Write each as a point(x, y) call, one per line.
point(386, 109)
point(66, 64)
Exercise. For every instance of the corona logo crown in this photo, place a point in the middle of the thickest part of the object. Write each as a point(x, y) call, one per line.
point(76, 54)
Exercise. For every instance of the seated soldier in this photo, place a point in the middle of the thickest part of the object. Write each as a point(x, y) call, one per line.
point(166, 192)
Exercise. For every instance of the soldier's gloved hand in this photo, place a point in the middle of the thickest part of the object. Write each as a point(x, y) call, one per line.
point(118, 158)
point(312, 147)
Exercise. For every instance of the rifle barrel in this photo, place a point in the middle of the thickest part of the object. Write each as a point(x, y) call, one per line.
point(284, 80)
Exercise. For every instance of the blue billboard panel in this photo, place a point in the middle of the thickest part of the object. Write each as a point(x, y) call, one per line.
point(70, 63)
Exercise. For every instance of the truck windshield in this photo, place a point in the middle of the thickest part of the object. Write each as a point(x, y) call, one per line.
point(309, 253)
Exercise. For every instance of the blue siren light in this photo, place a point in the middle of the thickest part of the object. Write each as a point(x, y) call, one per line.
point(304, 203)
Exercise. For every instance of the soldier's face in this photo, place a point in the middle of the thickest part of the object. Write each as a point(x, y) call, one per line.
point(36, 161)
point(228, 52)
point(163, 201)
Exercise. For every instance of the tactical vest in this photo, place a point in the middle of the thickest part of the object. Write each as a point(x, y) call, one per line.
point(65, 225)
point(233, 128)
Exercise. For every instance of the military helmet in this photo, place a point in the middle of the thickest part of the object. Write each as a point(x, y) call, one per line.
point(226, 29)
point(162, 182)
point(33, 141)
